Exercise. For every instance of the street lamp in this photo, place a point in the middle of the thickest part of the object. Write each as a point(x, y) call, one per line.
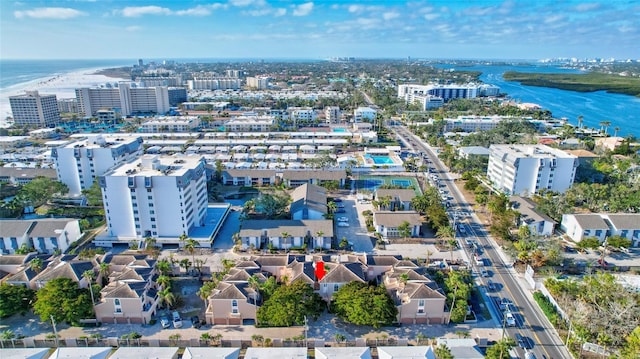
point(55, 330)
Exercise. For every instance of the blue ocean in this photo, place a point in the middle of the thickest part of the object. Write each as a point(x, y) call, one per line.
point(13, 72)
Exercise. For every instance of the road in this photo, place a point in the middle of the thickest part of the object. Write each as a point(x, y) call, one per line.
point(530, 321)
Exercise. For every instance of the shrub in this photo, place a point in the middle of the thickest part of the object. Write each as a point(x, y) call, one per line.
point(547, 307)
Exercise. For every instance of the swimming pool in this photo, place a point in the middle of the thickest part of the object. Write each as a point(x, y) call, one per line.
point(380, 160)
point(339, 130)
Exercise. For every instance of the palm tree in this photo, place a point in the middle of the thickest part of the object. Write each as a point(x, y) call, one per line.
point(36, 264)
point(183, 238)
point(332, 207)
point(285, 238)
point(205, 291)
point(428, 257)
point(163, 266)
point(88, 275)
point(606, 125)
point(452, 245)
point(445, 233)
point(615, 131)
point(404, 278)
point(166, 297)
point(149, 243)
point(190, 246)
point(186, 264)
point(164, 281)
point(580, 121)
point(104, 271)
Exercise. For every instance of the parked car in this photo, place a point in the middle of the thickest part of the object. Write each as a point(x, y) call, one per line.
point(523, 342)
point(509, 319)
point(343, 224)
point(505, 304)
point(195, 322)
point(164, 321)
point(177, 321)
point(343, 219)
point(484, 273)
point(491, 285)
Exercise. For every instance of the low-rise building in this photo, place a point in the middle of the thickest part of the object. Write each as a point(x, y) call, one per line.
point(539, 223)
point(308, 201)
point(45, 235)
point(361, 114)
point(602, 225)
point(285, 234)
point(398, 199)
point(24, 175)
point(171, 124)
point(389, 223)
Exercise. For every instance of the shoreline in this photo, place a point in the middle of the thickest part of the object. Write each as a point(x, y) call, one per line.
point(62, 85)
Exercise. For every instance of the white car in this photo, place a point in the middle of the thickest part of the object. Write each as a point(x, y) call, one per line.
point(343, 224)
point(177, 321)
point(484, 273)
point(343, 219)
point(509, 319)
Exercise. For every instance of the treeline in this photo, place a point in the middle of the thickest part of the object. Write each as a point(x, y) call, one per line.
point(589, 82)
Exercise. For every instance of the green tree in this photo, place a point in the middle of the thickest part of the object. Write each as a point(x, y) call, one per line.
point(205, 291)
point(344, 243)
point(93, 194)
point(15, 299)
point(166, 297)
point(63, 299)
point(524, 232)
point(364, 304)
point(190, 246)
point(164, 266)
point(289, 304)
point(40, 190)
point(164, 281)
point(631, 348)
point(589, 243)
point(272, 205)
point(500, 350)
point(619, 242)
point(36, 264)
point(443, 352)
point(404, 229)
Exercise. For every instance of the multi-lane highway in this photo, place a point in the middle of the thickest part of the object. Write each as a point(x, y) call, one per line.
point(529, 321)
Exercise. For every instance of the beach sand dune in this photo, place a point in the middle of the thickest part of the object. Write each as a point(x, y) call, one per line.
point(63, 86)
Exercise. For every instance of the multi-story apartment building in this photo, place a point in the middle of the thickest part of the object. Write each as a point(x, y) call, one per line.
point(426, 102)
point(233, 73)
point(482, 123)
point(446, 92)
point(171, 124)
point(364, 114)
point(33, 109)
point(152, 81)
point(526, 169)
point(177, 95)
point(155, 196)
point(332, 114)
point(250, 124)
point(258, 82)
point(125, 98)
point(214, 83)
point(67, 105)
point(302, 115)
point(79, 163)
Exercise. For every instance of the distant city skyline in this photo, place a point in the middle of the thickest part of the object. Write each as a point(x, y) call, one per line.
point(483, 29)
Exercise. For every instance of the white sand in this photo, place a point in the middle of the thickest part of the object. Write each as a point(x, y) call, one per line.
point(63, 86)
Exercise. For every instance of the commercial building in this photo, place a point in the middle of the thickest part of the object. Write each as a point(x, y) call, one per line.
point(155, 196)
point(33, 109)
point(526, 169)
point(79, 163)
point(126, 98)
point(427, 102)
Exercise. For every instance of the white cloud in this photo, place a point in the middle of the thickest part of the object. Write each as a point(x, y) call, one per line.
point(390, 15)
point(195, 11)
point(303, 9)
point(431, 16)
point(59, 13)
point(280, 12)
point(553, 18)
point(245, 3)
point(133, 28)
point(136, 11)
point(587, 7)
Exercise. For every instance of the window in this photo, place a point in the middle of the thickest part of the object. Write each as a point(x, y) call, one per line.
point(421, 306)
point(117, 305)
point(336, 287)
point(234, 307)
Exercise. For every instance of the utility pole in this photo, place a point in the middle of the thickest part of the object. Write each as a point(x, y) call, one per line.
point(306, 332)
point(55, 330)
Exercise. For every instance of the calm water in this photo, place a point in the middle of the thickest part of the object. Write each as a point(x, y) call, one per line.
point(13, 72)
point(621, 110)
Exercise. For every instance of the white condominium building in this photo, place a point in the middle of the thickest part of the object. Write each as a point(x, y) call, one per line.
point(125, 98)
point(481, 123)
point(302, 115)
point(155, 196)
point(364, 114)
point(79, 163)
point(214, 83)
point(171, 124)
point(33, 109)
point(526, 169)
point(447, 92)
point(332, 114)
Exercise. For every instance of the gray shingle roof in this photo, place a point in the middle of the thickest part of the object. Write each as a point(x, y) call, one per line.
point(591, 221)
point(45, 228)
point(311, 196)
point(395, 219)
point(403, 195)
point(295, 228)
point(625, 221)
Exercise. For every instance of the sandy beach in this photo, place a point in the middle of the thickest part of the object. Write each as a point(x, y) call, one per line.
point(63, 86)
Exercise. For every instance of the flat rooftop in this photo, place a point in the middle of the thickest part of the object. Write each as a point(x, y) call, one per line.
point(103, 141)
point(154, 165)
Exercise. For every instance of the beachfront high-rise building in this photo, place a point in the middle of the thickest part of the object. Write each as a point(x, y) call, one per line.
point(233, 73)
point(447, 92)
point(125, 98)
point(177, 95)
point(33, 109)
point(67, 105)
point(155, 196)
point(526, 169)
point(79, 163)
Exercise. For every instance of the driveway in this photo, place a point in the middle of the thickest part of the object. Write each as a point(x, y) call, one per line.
point(356, 233)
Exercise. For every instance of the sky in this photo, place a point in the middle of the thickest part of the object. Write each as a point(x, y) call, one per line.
point(291, 29)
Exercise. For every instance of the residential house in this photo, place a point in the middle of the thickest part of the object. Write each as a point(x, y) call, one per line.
point(22, 176)
point(295, 178)
point(285, 234)
point(24, 353)
point(46, 235)
point(232, 304)
point(24, 274)
point(131, 296)
point(217, 353)
point(462, 348)
point(276, 353)
point(387, 223)
point(416, 352)
point(253, 177)
point(581, 226)
point(625, 225)
point(64, 267)
point(82, 353)
point(338, 274)
point(538, 222)
point(308, 202)
point(399, 199)
point(342, 352)
point(145, 352)
point(417, 297)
